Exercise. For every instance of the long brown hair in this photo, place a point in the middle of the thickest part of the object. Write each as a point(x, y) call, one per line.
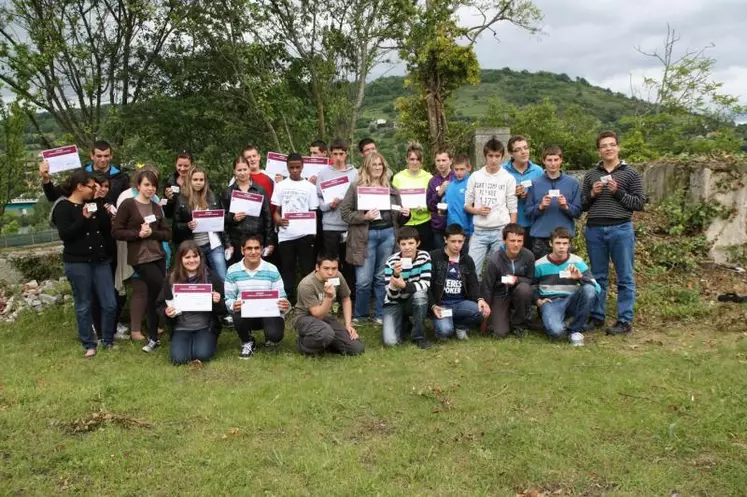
point(365, 178)
point(197, 201)
point(178, 273)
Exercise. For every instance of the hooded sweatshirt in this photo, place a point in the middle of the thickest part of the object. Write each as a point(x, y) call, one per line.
point(532, 172)
point(454, 198)
point(331, 218)
point(497, 191)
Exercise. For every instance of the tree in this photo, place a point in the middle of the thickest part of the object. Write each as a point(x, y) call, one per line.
point(13, 156)
point(73, 58)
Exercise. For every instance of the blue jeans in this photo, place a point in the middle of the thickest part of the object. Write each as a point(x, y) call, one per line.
point(215, 259)
point(187, 346)
point(482, 244)
point(578, 306)
point(371, 273)
point(618, 243)
point(465, 314)
point(86, 278)
point(395, 314)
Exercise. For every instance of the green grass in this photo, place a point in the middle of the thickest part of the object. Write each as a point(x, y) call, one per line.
point(630, 416)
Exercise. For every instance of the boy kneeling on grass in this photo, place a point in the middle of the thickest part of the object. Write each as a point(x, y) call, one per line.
point(407, 277)
point(565, 288)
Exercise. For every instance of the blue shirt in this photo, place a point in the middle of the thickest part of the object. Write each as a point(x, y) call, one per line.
point(530, 173)
point(543, 222)
point(454, 197)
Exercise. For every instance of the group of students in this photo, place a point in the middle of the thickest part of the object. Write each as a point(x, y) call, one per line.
point(493, 243)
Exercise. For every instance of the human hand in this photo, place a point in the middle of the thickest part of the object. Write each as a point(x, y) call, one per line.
point(437, 311)
point(563, 202)
point(192, 225)
point(542, 302)
point(484, 211)
point(216, 297)
point(371, 215)
point(239, 216)
point(329, 290)
point(596, 189)
point(169, 193)
point(351, 331)
point(484, 308)
point(237, 305)
point(170, 311)
point(612, 185)
point(44, 172)
point(546, 201)
point(284, 305)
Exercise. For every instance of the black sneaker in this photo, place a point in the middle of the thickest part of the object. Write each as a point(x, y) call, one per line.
point(620, 328)
point(519, 331)
point(247, 350)
point(594, 324)
point(423, 344)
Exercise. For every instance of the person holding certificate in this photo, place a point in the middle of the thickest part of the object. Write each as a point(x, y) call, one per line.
point(253, 275)
point(413, 188)
point(197, 196)
point(175, 183)
point(371, 235)
point(141, 223)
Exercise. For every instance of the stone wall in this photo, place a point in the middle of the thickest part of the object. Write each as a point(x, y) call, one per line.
point(480, 137)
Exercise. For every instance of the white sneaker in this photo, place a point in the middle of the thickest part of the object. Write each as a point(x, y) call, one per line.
point(247, 350)
point(122, 332)
point(151, 345)
point(461, 334)
point(577, 339)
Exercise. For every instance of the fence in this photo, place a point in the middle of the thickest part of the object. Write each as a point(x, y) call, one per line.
point(23, 239)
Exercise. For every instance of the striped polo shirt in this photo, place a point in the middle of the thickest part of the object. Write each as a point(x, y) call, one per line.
point(609, 209)
point(418, 278)
point(240, 279)
point(550, 284)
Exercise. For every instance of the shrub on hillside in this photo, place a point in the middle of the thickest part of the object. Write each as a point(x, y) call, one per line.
point(39, 267)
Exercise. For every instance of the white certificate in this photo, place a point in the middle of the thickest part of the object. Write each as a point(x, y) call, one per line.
point(193, 298)
point(276, 164)
point(208, 221)
point(260, 304)
point(334, 188)
point(413, 198)
point(250, 203)
point(299, 224)
point(373, 197)
point(312, 166)
point(62, 158)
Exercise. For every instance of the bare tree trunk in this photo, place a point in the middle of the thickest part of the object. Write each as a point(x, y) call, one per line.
point(437, 127)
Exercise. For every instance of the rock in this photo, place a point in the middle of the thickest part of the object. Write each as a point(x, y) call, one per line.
point(62, 278)
point(32, 285)
point(49, 299)
point(8, 306)
point(48, 285)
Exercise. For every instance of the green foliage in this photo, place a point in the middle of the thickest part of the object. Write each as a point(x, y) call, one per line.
point(673, 303)
point(12, 152)
point(687, 218)
point(681, 254)
point(38, 267)
point(11, 227)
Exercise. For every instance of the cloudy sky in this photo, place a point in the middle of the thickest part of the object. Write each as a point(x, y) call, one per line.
point(596, 40)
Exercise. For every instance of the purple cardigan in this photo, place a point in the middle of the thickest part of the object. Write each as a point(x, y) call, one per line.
point(432, 199)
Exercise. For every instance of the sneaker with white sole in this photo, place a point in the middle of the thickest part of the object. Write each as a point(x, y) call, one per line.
point(377, 321)
point(461, 334)
point(122, 332)
point(247, 350)
point(577, 339)
point(151, 345)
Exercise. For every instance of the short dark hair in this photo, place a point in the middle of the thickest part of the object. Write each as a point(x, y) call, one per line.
point(552, 150)
point(462, 159)
point(365, 142)
point(406, 233)
point(148, 174)
point(101, 145)
point(513, 228)
point(248, 148)
point(326, 256)
point(493, 145)
point(253, 236)
point(185, 154)
point(320, 144)
point(295, 156)
point(442, 150)
point(560, 232)
point(101, 178)
point(79, 177)
point(606, 134)
point(513, 140)
point(453, 229)
point(338, 144)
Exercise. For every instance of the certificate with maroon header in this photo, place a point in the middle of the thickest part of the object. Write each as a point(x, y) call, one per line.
point(208, 221)
point(193, 298)
point(62, 158)
point(249, 203)
point(413, 198)
point(312, 166)
point(373, 197)
point(260, 304)
point(334, 188)
point(299, 224)
point(276, 164)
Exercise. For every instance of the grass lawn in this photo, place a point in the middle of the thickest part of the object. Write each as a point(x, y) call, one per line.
point(663, 410)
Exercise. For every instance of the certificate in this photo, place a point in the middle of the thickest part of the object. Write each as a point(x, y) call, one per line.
point(413, 198)
point(299, 224)
point(276, 164)
point(193, 298)
point(373, 197)
point(260, 304)
point(312, 166)
point(62, 158)
point(250, 203)
point(208, 221)
point(334, 188)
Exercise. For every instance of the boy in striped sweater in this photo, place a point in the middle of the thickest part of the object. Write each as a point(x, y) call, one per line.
point(252, 273)
point(407, 277)
point(565, 289)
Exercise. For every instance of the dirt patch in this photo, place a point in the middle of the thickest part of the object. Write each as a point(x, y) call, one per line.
point(99, 419)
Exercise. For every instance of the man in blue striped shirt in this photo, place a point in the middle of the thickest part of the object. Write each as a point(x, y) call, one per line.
point(407, 277)
point(252, 273)
point(565, 288)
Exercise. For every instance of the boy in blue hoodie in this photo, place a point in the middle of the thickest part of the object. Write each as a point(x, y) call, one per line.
point(524, 172)
point(454, 198)
point(554, 201)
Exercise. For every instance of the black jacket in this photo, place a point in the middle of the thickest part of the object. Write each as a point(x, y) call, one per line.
point(261, 225)
point(439, 268)
point(183, 215)
point(119, 179)
point(219, 309)
point(500, 265)
point(170, 207)
point(84, 239)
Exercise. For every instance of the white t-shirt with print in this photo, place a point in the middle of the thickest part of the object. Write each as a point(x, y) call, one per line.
point(294, 196)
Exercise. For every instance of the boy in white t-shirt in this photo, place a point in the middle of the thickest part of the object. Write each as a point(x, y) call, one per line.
point(295, 195)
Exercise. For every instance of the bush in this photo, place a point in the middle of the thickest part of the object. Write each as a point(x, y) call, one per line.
point(39, 267)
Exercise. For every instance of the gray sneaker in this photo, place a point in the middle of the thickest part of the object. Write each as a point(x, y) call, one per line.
point(151, 345)
point(577, 339)
point(122, 332)
point(247, 350)
point(461, 334)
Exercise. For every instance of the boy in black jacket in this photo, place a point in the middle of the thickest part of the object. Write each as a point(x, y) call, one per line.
point(454, 293)
point(508, 283)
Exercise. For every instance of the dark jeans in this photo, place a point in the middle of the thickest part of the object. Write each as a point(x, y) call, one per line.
point(294, 255)
point(96, 306)
point(510, 311)
point(274, 328)
point(426, 236)
point(577, 306)
point(316, 336)
point(153, 274)
point(87, 279)
point(188, 346)
point(333, 246)
point(438, 240)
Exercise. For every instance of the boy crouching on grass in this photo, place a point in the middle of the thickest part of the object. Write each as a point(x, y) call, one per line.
point(407, 277)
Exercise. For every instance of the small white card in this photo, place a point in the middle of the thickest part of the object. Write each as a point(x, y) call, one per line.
point(442, 206)
point(508, 280)
point(527, 183)
point(175, 189)
point(606, 179)
point(565, 273)
point(396, 207)
point(92, 207)
point(260, 304)
point(446, 313)
point(334, 281)
point(150, 218)
point(62, 158)
point(406, 262)
point(163, 202)
point(208, 221)
point(554, 193)
point(250, 203)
